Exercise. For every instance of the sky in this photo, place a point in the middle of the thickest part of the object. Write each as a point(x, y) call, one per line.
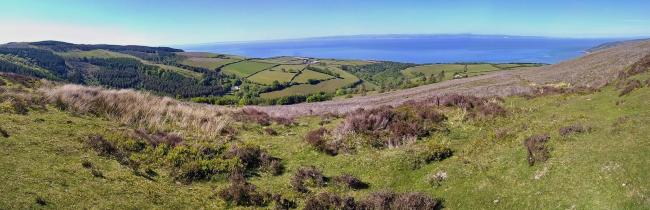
point(165, 22)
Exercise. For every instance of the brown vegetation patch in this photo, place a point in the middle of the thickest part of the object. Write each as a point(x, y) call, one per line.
point(158, 138)
point(573, 129)
point(328, 200)
point(426, 154)
point(350, 181)
point(536, 147)
point(391, 127)
point(252, 158)
point(242, 193)
point(629, 86)
point(317, 138)
point(4, 133)
point(262, 118)
point(140, 109)
point(308, 176)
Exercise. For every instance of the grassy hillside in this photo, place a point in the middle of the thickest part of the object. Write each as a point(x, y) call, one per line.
point(595, 155)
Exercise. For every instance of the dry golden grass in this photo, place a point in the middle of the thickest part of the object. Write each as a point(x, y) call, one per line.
point(141, 109)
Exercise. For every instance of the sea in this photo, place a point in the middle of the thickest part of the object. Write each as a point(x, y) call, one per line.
point(419, 49)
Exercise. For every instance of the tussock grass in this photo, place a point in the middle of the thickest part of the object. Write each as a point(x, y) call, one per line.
point(140, 109)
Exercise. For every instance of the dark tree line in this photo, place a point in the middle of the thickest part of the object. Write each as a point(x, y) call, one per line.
point(131, 73)
point(42, 58)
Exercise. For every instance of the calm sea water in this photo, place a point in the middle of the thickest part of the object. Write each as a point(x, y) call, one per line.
point(415, 48)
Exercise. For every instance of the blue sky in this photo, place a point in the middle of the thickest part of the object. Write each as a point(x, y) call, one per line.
point(165, 22)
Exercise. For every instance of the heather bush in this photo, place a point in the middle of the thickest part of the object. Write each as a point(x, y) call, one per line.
point(97, 173)
point(391, 127)
point(270, 131)
point(262, 118)
point(158, 138)
point(86, 164)
point(317, 138)
point(641, 66)
point(104, 147)
point(386, 200)
point(281, 203)
point(242, 193)
point(308, 176)
point(426, 154)
point(547, 90)
point(630, 86)
point(328, 200)
point(350, 181)
point(4, 133)
point(381, 200)
point(536, 147)
point(572, 129)
point(40, 201)
point(253, 158)
point(415, 201)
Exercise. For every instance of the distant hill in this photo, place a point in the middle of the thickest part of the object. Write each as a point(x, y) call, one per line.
point(614, 44)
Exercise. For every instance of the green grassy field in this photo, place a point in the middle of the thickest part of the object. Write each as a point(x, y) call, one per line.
point(606, 168)
point(208, 63)
point(309, 74)
point(326, 86)
point(267, 77)
point(94, 54)
point(284, 60)
point(449, 69)
point(246, 68)
point(289, 68)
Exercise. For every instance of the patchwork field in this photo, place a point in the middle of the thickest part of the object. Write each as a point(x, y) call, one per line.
point(289, 68)
point(449, 69)
point(328, 86)
point(285, 60)
point(267, 77)
point(246, 68)
point(306, 75)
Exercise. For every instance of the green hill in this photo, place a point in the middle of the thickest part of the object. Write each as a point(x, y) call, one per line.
point(556, 147)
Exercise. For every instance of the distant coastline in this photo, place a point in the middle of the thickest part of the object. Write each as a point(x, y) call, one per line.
point(419, 49)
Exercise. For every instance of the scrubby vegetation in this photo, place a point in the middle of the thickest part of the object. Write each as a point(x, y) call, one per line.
point(537, 150)
point(80, 147)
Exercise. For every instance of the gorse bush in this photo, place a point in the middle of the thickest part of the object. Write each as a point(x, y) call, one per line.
point(203, 162)
point(536, 147)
